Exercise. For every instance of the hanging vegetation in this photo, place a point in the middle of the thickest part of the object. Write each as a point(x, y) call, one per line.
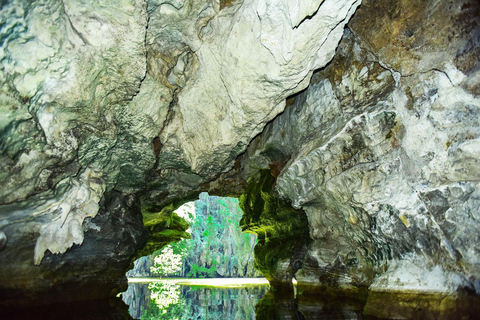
point(217, 248)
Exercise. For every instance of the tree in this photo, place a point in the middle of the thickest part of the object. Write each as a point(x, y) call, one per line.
point(168, 262)
point(217, 247)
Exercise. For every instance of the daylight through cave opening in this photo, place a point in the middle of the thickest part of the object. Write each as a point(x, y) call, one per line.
point(216, 247)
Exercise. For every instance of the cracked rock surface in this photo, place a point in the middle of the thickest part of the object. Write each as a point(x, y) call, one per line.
point(102, 102)
point(381, 152)
point(113, 113)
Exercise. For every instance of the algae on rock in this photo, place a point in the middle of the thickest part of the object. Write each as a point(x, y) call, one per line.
point(163, 227)
point(282, 230)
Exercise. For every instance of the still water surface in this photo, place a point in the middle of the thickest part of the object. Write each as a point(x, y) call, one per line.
point(181, 299)
point(171, 299)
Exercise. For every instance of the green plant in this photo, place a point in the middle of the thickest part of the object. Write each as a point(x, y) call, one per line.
point(167, 263)
point(201, 272)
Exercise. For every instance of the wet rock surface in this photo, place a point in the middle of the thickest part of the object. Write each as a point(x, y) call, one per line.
point(282, 231)
point(95, 269)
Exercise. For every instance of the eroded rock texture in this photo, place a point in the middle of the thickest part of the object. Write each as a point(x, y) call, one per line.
point(106, 103)
point(108, 100)
point(281, 231)
point(382, 153)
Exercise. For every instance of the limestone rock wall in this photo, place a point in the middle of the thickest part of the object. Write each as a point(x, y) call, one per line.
point(381, 152)
point(220, 97)
point(217, 81)
point(281, 230)
point(63, 84)
point(104, 103)
point(109, 100)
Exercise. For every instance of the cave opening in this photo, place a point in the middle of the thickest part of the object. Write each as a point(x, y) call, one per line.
point(216, 248)
point(214, 264)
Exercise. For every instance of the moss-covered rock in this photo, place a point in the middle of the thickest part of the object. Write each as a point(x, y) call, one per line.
point(164, 227)
point(282, 230)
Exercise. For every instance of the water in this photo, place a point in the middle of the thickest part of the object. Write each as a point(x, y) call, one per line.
point(173, 300)
point(213, 299)
point(170, 300)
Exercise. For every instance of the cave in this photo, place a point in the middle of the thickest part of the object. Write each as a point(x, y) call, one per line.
point(348, 130)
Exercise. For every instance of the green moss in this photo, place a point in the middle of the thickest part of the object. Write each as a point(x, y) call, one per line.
point(282, 230)
point(163, 227)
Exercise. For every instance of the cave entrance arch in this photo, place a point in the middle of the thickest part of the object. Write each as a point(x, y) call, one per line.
point(217, 247)
point(282, 231)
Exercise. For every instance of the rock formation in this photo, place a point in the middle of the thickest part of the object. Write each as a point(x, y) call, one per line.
point(112, 113)
point(216, 247)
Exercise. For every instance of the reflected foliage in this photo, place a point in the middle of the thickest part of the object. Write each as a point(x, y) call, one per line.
point(256, 302)
point(164, 300)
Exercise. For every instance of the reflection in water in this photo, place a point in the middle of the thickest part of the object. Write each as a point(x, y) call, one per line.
point(284, 306)
point(165, 295)
point(178, 302)
point(167, 300)
point(113, 309)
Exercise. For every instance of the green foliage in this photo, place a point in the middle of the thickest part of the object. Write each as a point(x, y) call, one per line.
point(167, 262)
point(218, 242)
point(281, 229)
point(202, 272)
point(217, 247)
point(163, 227)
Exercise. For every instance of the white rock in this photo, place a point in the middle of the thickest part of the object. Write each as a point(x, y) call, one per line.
point(65, 229)
point(412, 273)
point(247, 66)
